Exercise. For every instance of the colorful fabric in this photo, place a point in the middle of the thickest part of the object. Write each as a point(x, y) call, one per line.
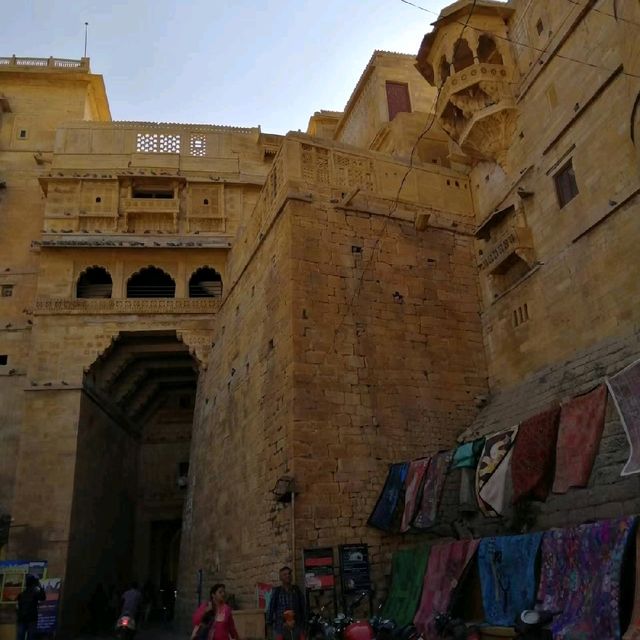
point(579, 434)
point(467, 454)
point(633, 631)
point(432, 490)
point(507, 576)
point(580, 578)
point(383, 514)
point(492, 460)
point(533, 460)
point(468, 502)
point(625, 389)
point(407, 576)
point(445, 569)
point(415, 476)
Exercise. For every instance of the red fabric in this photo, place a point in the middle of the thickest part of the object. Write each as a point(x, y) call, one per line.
point(579, 434)
point(224, 626)
point(532, 463)
point(413, 484)
point(196, 618)
point(446, 566)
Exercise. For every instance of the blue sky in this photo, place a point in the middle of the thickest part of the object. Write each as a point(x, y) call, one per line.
point(236, 62)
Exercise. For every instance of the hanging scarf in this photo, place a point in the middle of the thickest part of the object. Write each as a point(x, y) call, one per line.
point(507, 576)
point(579, 434)
point(432, 490)
point(415, 476)
point(492, 472)
point(467, 454)
point(383, 513)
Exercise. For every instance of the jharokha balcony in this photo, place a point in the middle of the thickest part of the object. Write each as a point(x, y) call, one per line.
point(476, 104)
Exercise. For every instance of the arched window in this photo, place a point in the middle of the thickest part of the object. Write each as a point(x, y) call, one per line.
point(462, 55)
point(205, 283)
point(151, 282)
point(487, 50)
point(445, 69)
point(94, 282)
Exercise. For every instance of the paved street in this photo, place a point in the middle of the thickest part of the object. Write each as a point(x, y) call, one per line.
point(155, 633)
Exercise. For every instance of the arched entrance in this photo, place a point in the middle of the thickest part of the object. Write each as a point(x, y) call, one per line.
point(134, 434)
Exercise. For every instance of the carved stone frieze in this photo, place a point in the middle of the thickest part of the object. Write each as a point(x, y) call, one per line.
point(80, 306)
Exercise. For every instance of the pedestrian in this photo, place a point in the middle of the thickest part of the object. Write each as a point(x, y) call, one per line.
point(290, 629)
point(130, 603)
point(27, 609)
point(213, 620)
point(285, 597)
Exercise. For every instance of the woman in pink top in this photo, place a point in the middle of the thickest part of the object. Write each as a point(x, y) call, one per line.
point(214, 620)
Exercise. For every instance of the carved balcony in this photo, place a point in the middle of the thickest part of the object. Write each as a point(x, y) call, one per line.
point(516, 244)
point(141, 214)
point(138, 306)
point(477, 108)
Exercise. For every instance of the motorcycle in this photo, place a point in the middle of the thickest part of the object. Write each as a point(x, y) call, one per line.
point(125, 628)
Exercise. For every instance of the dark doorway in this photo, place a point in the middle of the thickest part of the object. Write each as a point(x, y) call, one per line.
point(134, 433)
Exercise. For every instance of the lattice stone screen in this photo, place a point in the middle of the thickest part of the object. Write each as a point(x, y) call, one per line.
point(197, 145)
point(158, 143)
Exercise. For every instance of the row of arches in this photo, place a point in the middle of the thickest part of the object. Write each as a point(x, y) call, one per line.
point(464, 54)
point(150, 282)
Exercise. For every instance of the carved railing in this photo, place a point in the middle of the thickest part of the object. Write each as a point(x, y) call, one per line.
point(95, 306)
point(516, 240)
point(150, 205)
point(50, 63)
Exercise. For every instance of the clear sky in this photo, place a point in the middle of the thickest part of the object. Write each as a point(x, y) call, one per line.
point(235, 62)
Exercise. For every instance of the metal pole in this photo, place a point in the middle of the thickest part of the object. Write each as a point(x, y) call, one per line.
point(86, 29)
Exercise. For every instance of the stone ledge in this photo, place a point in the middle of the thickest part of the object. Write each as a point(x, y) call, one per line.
point(101, 306)
point(136, 241)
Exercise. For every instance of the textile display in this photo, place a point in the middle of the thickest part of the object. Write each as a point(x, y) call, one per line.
point(625, 389)
point(579, 434)
point(415, 476)
point(385, 509)
point(432, 490)
point(445, 569)
point(507, 576)
point(492, 471)
point(633, 632)
point(407, 575)
point(580, 578)
point(534, 453)
point(467, 454)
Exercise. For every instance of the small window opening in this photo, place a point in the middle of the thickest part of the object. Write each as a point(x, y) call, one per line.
point(539, 26)
point(7, 290)
point(205, 201)
point(4, 358)
point(151, 282)
point(22, 134)
point(566, 185)
point(205, 283)
point(98, 199)
point(445, 69)
point(488, 51)
point(95, 282)
point(462, 56)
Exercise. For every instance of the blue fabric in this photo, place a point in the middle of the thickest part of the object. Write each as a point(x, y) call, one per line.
point(385, 509)
point(467, 454)
point(507, 576)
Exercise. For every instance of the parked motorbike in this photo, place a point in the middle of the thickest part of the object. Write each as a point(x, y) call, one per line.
point(125, 628)
point(455, 628)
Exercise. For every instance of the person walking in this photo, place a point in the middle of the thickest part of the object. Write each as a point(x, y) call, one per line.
point(214, 620)
point(285, 597)
point(27, 609)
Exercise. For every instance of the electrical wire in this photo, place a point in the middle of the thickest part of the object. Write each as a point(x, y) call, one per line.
point(396, 200)
point(530, 46)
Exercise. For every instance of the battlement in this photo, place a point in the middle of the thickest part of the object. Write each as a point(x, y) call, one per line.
point(13, 63)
